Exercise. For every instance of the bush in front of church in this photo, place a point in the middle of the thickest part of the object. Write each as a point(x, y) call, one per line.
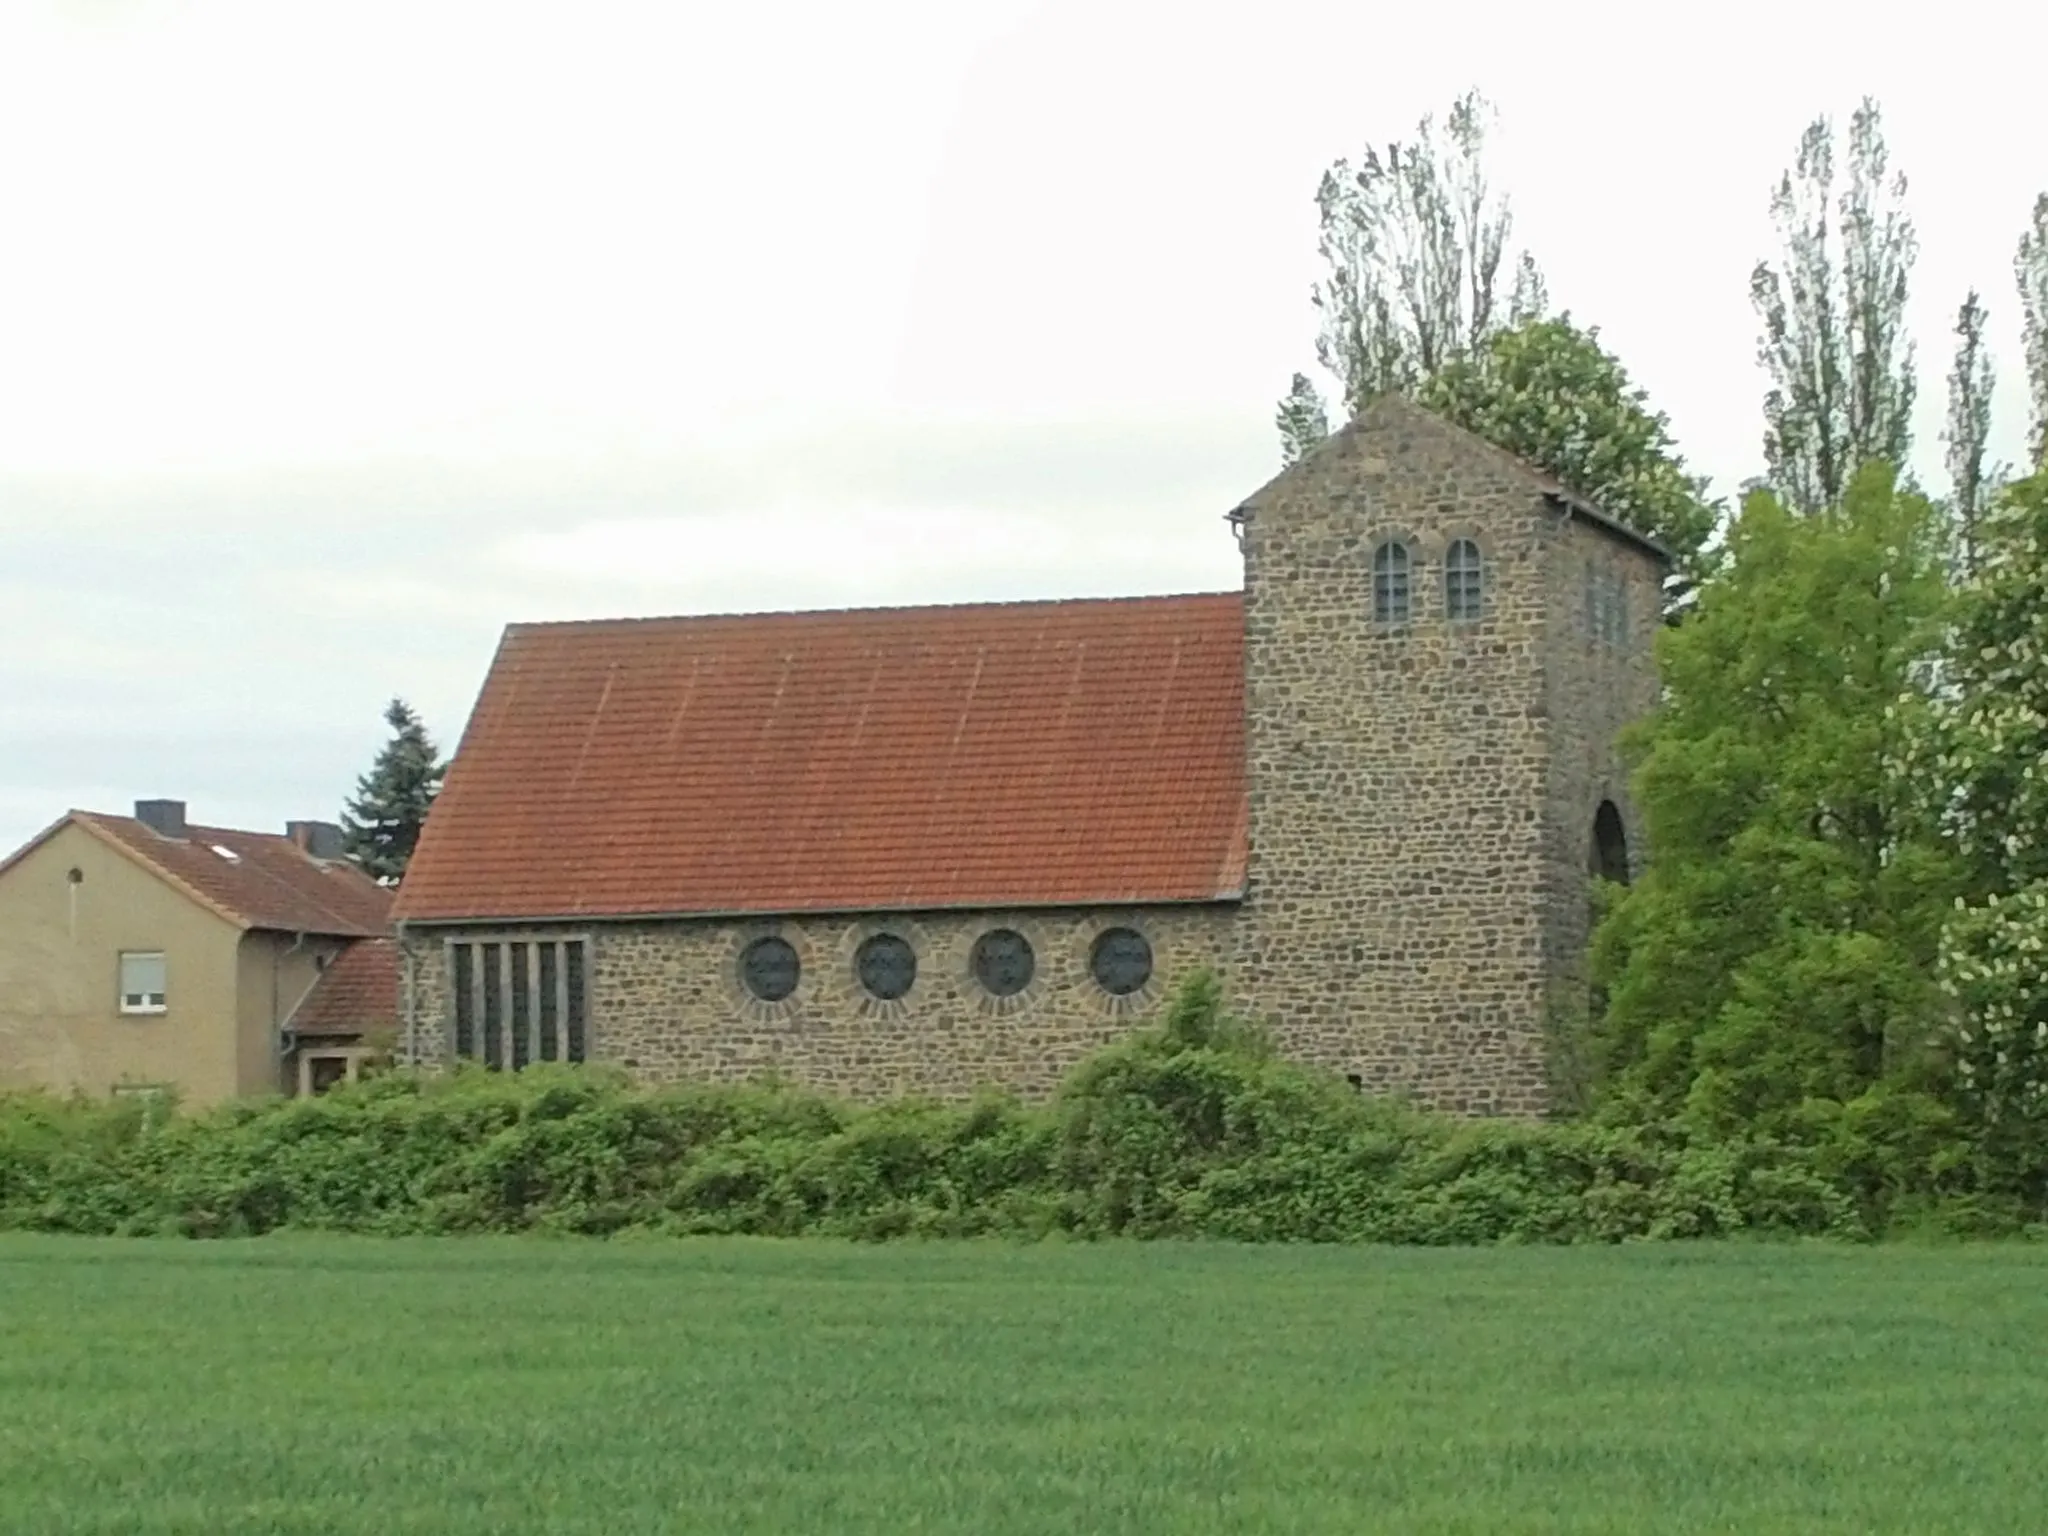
point(1191, 1129)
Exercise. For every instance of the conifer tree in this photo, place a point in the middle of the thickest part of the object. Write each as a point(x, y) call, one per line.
point(1303, 420)
point(381, 825)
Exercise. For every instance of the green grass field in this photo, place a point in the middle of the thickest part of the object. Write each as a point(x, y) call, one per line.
point(300, 1385)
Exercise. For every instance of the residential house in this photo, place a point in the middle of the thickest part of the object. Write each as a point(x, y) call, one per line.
point(143, 953)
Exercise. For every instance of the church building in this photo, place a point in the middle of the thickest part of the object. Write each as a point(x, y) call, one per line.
point(928, 849)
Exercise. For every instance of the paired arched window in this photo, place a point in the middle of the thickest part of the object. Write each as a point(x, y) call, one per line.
point(1390, 594)
point(1393, 582)
point(1464, 582)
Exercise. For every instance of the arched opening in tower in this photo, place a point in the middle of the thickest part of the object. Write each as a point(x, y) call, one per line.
point(1610, 845)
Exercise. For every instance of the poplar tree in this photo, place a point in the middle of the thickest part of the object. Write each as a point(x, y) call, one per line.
point(1834, 338)
point(1970, 383)
point(2030, 269)
point(1415, 237)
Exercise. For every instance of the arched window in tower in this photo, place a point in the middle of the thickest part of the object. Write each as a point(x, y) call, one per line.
point(1390, 563)
point(1464, 582)
point(1610, 844)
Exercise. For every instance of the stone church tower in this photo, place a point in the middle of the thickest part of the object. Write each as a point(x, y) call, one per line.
point(1441, 648)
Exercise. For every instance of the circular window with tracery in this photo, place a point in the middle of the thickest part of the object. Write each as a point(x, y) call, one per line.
point(1003, 962)
point(886, 965)
point(1121, 961)
point(769, 969)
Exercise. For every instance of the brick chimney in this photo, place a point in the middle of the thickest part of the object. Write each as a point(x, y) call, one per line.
point(166, 818)
point(316, 839)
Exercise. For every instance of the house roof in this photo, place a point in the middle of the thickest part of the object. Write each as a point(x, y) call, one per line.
point(990, 755)
point(356, 995)
point(252, 879)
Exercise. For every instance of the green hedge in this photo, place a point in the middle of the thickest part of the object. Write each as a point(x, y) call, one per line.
point(1191, 1129)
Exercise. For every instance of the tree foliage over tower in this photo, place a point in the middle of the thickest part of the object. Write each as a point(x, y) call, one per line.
point(1418, 242)
point(1551, 393)
point(1302, 419)
point(1415, 238)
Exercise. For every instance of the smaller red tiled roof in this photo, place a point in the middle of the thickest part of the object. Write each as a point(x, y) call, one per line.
point(255, 879)
point(356, 995)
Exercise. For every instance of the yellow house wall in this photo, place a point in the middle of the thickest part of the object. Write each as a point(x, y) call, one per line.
point(61, 1025)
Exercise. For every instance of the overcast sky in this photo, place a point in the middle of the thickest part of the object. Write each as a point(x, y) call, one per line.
point(333, 338)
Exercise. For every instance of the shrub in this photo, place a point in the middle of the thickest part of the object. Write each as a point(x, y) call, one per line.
point(1193, 1128)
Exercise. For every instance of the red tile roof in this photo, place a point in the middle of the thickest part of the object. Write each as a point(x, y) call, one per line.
point(356, 995)
point(269, 883)
point(1015, 754)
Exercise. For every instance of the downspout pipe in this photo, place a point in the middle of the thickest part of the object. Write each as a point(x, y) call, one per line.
point(407, 999)
point(279, 1049)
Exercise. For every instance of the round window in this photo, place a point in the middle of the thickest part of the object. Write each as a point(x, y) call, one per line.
point(1121, 961)
point(769, 969)
point(1003, 962)
point(886, 966)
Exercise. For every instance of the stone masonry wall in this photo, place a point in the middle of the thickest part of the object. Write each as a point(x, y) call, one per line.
point(667, 1002)
point(1392, 926)
point(1599, 678)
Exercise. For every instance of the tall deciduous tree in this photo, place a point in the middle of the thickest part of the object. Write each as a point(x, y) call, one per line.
point(1415, 238)
point(1970, 383)
point(1833, 312)
point(1551, 393)
point(1991, 739)
point(1779, 950)
point(381, 825)
point(2030, 268)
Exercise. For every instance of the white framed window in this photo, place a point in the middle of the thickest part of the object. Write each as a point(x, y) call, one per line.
point(144, 987)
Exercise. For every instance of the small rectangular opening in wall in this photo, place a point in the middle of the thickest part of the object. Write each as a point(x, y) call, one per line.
point(519, 1001)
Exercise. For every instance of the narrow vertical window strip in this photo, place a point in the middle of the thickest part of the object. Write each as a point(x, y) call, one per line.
point(494, 1006)
point(464, 1000)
